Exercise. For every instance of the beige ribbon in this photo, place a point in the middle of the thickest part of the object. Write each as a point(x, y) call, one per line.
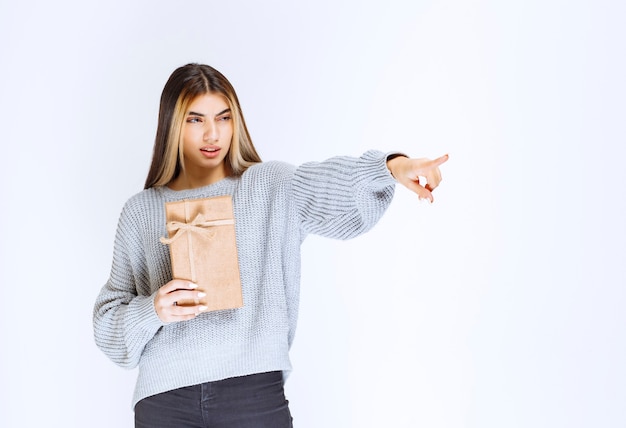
point(198, 225)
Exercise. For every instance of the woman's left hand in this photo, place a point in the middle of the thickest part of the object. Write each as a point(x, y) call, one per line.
point(409, 171)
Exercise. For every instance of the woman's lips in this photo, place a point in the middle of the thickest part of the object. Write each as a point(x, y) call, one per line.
point(210, 151)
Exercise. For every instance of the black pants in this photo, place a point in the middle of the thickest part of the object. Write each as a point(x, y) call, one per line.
point(255, 401)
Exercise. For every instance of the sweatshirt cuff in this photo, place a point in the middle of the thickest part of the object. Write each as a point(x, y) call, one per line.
point(146, 317)
point(374, 164)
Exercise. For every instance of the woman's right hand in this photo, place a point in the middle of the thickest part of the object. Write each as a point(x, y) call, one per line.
point(178, 289)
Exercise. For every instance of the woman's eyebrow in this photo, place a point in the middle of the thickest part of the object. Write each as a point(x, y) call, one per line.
point(193, 113)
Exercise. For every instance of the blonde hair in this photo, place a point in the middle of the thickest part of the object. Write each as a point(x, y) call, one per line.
point(184, 85)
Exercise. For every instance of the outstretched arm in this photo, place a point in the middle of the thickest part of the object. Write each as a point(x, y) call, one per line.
point(408, 172)
point(342, 197)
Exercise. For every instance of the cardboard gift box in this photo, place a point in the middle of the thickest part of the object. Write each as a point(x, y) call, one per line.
point(203, 250)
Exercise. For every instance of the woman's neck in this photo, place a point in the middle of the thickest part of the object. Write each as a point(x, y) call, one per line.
point(187, 180)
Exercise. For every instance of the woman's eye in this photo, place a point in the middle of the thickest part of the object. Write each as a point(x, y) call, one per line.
point(193, 120)
point(224, 118)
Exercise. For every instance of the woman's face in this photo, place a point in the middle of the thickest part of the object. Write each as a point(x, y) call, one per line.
point(207, 133)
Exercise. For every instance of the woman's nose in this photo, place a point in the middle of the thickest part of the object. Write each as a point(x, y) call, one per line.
point(211, 133)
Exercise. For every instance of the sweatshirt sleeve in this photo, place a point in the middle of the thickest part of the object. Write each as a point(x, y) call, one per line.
point(343, 197)
point(123, 319)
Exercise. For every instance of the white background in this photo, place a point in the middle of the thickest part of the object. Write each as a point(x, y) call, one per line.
point(500, 305)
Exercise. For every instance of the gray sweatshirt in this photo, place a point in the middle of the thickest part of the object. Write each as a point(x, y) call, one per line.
point(275, 206)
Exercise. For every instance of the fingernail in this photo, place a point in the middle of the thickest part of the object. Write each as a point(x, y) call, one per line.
point(202, 308)
point(192, 285)
point(201, 294)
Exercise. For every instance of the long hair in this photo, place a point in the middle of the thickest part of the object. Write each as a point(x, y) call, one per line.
point(183, 86)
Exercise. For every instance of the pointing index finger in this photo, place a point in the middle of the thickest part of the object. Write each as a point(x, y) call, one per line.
point(439, 160)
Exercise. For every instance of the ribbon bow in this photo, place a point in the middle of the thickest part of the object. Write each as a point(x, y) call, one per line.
point(198, 225)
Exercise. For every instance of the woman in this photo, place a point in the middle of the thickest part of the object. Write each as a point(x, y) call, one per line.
point(227, 367)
